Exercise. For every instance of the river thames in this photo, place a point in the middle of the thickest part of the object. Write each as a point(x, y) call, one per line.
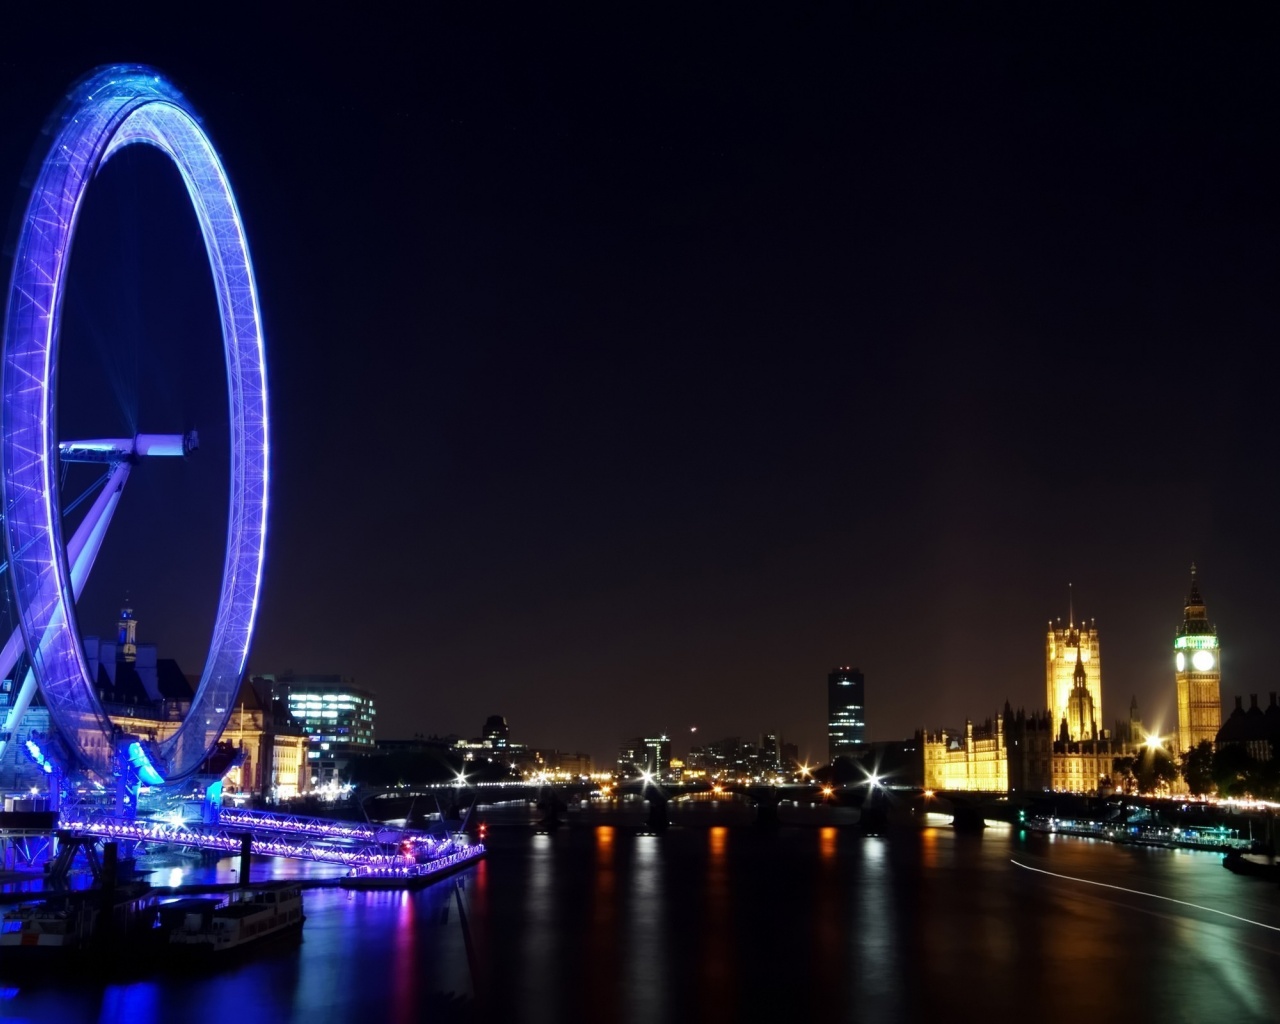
point(716, 919)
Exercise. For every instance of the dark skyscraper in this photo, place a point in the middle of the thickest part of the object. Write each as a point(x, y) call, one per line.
point(846, 711)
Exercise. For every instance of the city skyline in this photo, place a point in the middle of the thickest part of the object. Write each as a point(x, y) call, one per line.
point(612, 360)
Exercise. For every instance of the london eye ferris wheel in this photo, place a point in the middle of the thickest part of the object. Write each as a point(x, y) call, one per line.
point(113, 108)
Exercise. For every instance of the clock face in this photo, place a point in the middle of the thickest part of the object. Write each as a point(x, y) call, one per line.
point(1181, 662)
point(1202, 661)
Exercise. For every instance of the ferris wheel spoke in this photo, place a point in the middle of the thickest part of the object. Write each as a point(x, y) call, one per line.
point(83, 549)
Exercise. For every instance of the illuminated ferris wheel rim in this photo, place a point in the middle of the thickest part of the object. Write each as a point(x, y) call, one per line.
point(112, 108)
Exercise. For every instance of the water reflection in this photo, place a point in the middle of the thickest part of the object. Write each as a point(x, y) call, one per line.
point(644, 968)
point(874, 958)
point(602, 945)
point(716, 965)
point(827, 844)
point(540, 939)
point(929, 848)
point(826, 955)
point(739, 923)
point(404, 975)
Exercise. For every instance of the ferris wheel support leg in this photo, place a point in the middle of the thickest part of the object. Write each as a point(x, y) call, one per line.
point(85, 544)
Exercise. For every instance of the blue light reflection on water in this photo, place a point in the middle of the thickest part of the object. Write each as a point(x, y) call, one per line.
point(732, 923)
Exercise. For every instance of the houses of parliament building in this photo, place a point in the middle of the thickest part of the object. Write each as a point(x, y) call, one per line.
point(1063, 747)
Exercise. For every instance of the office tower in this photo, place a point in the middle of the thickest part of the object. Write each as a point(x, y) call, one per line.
point(846, 711)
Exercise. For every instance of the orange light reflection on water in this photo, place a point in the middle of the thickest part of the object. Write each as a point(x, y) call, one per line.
point(929, 847)
point(603, 966)
point(718, 973)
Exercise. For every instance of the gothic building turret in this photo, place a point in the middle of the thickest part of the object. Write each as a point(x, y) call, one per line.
point(1069, 650)
point(1081, 720)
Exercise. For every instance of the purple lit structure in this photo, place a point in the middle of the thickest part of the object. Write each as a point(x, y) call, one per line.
point(112, 108)
point(361, 847)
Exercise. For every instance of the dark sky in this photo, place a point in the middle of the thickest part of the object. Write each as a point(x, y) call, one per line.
point(631, 370)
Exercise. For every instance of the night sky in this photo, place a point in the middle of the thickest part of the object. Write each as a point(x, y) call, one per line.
point(629, 371)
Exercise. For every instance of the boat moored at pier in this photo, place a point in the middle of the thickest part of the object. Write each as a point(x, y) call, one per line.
point(249, 916)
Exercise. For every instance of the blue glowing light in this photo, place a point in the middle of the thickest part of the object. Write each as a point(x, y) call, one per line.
point(39, 757)
point(114, 108)
point(148, 775)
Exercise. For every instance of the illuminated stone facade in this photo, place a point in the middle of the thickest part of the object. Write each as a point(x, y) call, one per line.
point(148, 696)
point(1065, 648)
point(975, 761)
point(1042, 759)
point(1085, 767)
point(1198, 672)
point(273, 762)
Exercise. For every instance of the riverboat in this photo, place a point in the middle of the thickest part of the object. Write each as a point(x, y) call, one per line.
point(1252, 864)
point(46, 927)
point(248, 916)
point(69, 923)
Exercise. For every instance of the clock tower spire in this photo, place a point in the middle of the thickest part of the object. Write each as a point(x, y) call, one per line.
point(1197, 671)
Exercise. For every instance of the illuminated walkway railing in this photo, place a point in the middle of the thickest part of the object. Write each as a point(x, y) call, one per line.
point(325, 828)
point(226, 837)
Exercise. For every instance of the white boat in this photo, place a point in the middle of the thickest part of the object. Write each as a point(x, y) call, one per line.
point(248, 916)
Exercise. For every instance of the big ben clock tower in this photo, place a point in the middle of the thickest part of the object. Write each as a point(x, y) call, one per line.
point(1198, 670)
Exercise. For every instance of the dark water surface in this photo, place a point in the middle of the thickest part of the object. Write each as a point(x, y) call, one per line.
point(718, 920)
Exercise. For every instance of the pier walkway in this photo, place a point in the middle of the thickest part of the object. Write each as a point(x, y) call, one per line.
point(350, 844)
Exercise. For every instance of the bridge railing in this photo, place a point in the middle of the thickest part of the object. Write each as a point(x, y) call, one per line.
point(226, 837)
point(326, 828)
